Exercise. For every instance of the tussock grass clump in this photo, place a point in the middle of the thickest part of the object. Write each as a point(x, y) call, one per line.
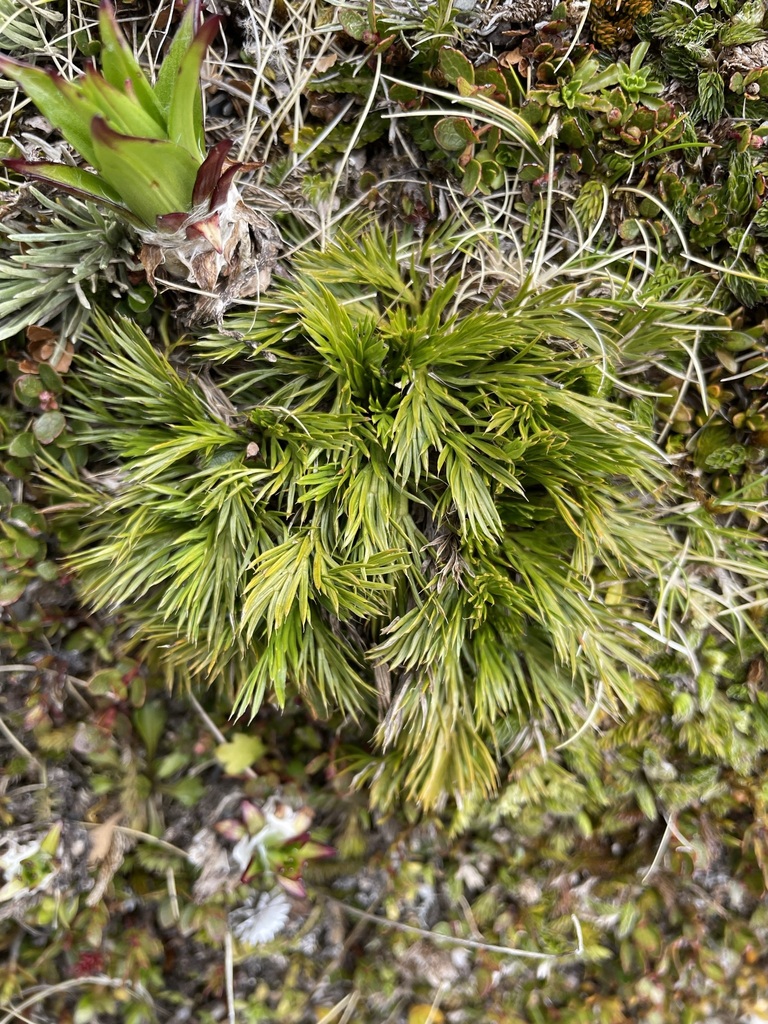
point(392, 501)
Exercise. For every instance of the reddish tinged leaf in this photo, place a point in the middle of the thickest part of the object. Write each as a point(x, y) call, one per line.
point(210, 171)
point(253, 817)
point(220, 193)
point(254, 870)
point(74, 180)
point(315, 851)
point(208, 228)
point(172, 221)
point(293, 886)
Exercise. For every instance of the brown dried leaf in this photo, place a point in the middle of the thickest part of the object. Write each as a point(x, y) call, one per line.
point(44, 346)
point(63, 361)
point(243, 268)
point(109, 865)
point(250, 253)
point(509, 58)
point(746, 58)
point(101, 839)
point(39, 335)
point(150, 257)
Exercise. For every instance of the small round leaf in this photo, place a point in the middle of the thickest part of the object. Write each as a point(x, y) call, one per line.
point(455, 65)
point(22, 445)
point(28, 389)
point(48, 427)
point(453, 133)
point(11, 591)
point(353, 23)
point(47, 571)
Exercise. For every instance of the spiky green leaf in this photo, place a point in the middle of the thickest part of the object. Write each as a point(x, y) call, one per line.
point(119, 65)
point(120, 109)
point(185, 107)
point(166, 77)
point(57, 100)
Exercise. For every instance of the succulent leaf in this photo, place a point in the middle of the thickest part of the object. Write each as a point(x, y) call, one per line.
point(152, 175)
point(185, 111)
point(119, 65)
point(253, 817)
point(316, 851)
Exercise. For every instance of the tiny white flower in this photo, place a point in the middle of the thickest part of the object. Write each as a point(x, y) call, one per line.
point(14, 857)
point(242, 852)
point(283, 822)
point(470, 876)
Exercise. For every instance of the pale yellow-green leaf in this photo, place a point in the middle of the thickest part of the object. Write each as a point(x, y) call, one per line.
point(240, 753)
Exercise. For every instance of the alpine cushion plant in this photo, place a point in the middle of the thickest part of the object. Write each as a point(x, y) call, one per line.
point(273, 843)
point(146, 145)
point(385, 499)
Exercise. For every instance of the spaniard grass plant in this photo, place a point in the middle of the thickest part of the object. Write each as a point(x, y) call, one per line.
point(383, 498)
